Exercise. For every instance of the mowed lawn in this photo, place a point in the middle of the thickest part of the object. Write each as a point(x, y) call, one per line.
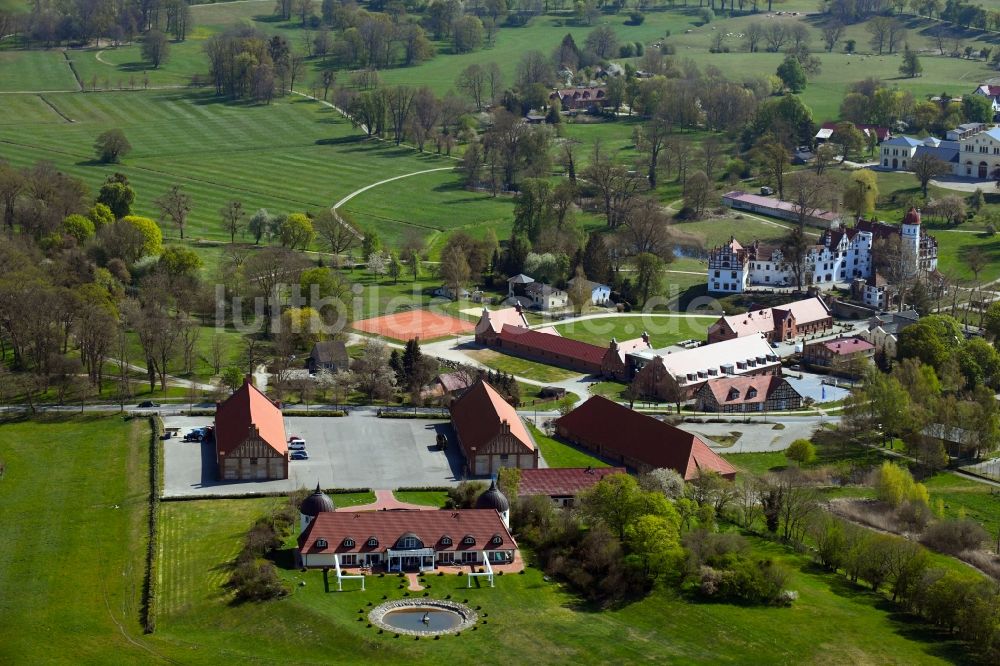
point(520, 367)
point(663, 330)
point(73, 509)
point(832, 622)
point(292, 155)
point(41, 70)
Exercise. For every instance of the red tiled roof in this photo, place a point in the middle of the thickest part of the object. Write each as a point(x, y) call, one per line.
point(496, 319)
point(554, 344)
point(842, 346)
point(455, 381)
point(764, 385)
point(880, 132)
point(388, 526)
point(625, 432)
point(479, 415)
point(245, 408)
point(562, 482)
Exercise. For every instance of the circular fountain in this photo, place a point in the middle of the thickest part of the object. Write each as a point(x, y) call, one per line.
point(422, 617)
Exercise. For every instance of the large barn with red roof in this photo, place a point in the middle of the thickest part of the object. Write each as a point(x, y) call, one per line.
point(638, 441)
point(562, 484)
point(490, 432)
point(250, 442)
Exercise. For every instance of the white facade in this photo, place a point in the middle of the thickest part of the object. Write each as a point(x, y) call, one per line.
point(979, 154)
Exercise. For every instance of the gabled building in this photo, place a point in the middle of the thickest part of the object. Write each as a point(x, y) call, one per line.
point(666, 374)
point(491, 322)
point(638, 441)
point(841, 356)
point(406, 540)
point(562, 484)
point(778, 324)
point(784, 210)
point(328, 355)
point(250, 442)
point(546, 297)
point(768, 393)
point(584, 98)
point(490, 433)
point(898, 153)
point(600, 294)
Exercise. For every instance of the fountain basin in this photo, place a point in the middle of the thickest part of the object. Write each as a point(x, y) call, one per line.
point(422, 617)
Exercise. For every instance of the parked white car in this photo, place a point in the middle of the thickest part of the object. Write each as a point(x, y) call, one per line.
point(297, 444)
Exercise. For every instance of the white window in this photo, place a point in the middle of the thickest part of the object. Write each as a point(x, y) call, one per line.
point(410, 542)
point(470, 556)
point(469, 540)
point(372, 542)
point(348, 542)
point(321, 543)
point(349, 559)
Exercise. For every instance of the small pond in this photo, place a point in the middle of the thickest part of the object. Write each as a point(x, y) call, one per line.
point(423, 617)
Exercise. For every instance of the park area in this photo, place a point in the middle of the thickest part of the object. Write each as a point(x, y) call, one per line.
point(417, 323)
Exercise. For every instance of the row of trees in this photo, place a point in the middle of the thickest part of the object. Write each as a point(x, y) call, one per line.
point(83, 21)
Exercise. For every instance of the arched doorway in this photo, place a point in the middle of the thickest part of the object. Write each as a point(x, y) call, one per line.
point(895, 163)
point(983, 169)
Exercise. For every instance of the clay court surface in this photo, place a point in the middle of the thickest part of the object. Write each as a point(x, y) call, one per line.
point(415, 324)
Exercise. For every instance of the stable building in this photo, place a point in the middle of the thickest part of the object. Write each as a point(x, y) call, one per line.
point(250, 443)
point(777, 324)
point(841, 356)
point(638, 441)
point(747, 394)
point(562, 485)
point(490, 433)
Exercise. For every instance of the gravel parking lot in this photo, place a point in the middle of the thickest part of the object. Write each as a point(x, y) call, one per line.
point(356, 451)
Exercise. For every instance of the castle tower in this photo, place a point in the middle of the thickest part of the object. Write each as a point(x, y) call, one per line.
point(910, 239)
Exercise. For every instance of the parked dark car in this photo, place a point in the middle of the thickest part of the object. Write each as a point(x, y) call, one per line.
point(299, 455)
point(146, 404)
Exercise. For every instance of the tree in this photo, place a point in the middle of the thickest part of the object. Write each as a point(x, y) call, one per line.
point(792, 75)
point(894, 485)
point(926, 167)
point(808, 193)
point(832, 31)
point(374, 376)
point(579, 292)
point(618, 502)
point(467, 34)
point(337, 232)
point(155, 48)
point(602, 42)
point(296, 232)
point(801, 451)
point(259, 225)
point(849, 138)
point(455, 270)
point(180, 261)
point(78, 227)
point(232, 218)
point(977, 109)
point(149, 234)
point(773, 157)
point(472, 81)
point(697, 193)
point(911, 66)
point(176, 205)
point(654, 542)
point(595, 258)
point(861, 192)
point(111, 146)
point(648, 276)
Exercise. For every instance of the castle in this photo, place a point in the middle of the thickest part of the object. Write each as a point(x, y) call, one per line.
point(855, 257)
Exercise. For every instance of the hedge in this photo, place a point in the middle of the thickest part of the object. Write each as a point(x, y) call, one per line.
point(287, 412)
point(436, 416)
point(148, 614)
point(272, 493)
point(423, 489)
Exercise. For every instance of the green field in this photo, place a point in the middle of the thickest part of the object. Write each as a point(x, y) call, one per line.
point(292, 155)
point(560, 454)
point(520, 367)
point(35, 71)
point(429, 497)
point(663, 330)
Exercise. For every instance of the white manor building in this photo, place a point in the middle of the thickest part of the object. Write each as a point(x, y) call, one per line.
point(843, 257)
point(972, 151)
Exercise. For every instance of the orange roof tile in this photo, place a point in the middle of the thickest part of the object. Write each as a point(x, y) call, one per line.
point(247, 408)
point(479, 416)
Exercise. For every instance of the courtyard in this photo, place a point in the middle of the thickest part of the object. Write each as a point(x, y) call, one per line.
point(355, 451)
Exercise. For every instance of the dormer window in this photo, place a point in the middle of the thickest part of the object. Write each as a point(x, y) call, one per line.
point(348, 542)
point(733, 394)
point(321, 543)
point(446, 541)
point(496, 540)
point(752, 393)
point(372, 542)
point(469, 540)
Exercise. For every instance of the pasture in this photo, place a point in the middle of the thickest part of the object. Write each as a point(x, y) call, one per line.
point(663, 330)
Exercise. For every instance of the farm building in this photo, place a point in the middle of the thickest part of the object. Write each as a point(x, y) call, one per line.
point(638, 441)
point(562, 485)
point(766, 393)
point(842, 356)
point(490, 432)
point(784, 210)
point(492, 321)
point(328, 355)
point(780, 323)
point(250, 442)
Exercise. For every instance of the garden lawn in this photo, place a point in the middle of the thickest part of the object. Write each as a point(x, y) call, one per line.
point(978, 500)
point(560, 454)
point(435, 498)
point(520, 367)
point(832, 621)
point(663, 330)
point(73, 519)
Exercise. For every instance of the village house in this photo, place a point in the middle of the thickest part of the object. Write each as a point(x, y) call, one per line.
point(490, 433)
point(600, 294)
point(767, 393)
point(581, 98)
point(450, 384)
point(639, 442)
point(778, 324)
point(330, 355)
point(526, 292)
point(784, 210)
point(562, 484)
point(898, 153)
point(883, 330)
point(879, 133)
point(250, 442)
point(841, 356)
point(675, 375)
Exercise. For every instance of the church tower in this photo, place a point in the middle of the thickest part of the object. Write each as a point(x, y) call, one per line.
point(910, 239)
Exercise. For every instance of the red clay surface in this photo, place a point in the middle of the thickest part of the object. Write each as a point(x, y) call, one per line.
point(415, 324)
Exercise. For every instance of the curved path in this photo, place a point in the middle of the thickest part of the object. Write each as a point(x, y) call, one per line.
point(102, 60)
point(383, 182)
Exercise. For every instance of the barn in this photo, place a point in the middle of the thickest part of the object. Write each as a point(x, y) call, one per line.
point(250, 442)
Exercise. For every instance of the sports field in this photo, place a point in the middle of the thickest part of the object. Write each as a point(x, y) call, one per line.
point(415, 324)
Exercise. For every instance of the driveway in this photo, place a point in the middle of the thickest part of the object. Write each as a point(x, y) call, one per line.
point(356, 451)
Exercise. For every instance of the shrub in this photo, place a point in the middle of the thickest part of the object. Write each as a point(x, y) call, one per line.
point(954, 536)
point(626, 51)
point(801, 451)
point(637, 18)
point(255, 580)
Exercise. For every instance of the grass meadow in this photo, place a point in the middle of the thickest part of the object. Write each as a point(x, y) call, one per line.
point(663, 331)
